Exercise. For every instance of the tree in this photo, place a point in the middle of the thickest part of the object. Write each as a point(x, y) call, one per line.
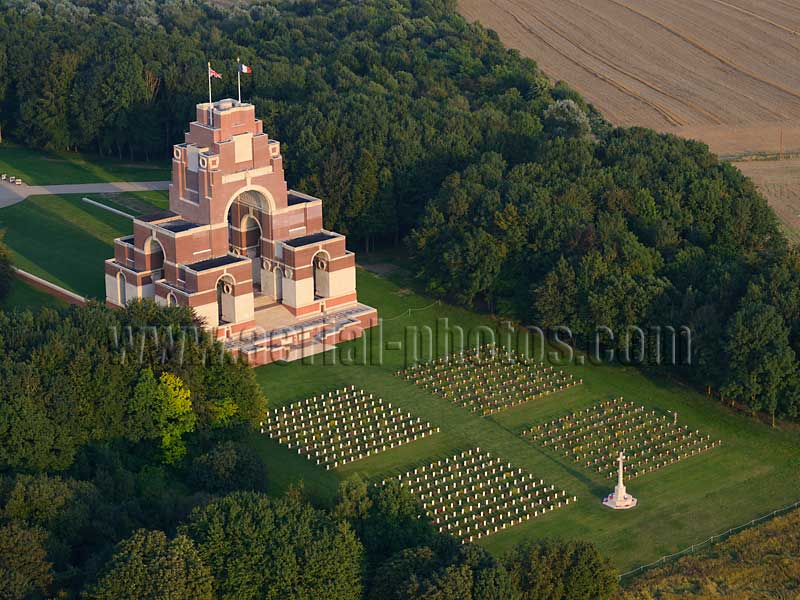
point(394, 521)
point(353, 503)
point(229, 466)
point(24, 569)
point(553, 570)
point(6, 272)
point(556, 300)
point(148, 566)
point(446, 570)
point(175, 416)
point(564, 118)
point(143, 408)
point(259, 547)
point(762, 363)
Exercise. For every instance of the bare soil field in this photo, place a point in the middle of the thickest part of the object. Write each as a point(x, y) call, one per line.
point(722, 71)
point(779, 182)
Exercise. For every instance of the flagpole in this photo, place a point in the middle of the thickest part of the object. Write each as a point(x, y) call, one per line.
point(239, 77)
point(210, 107)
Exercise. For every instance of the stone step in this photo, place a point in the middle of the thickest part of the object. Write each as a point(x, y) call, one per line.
point(261, 301)
point(307, 349)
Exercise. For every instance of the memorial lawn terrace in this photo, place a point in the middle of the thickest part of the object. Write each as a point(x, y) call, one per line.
point(751, 472)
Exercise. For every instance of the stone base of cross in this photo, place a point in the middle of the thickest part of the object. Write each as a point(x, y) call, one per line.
point(620, 499)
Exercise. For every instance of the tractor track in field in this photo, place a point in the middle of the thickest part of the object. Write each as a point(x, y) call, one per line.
point(721, 71)
point(688, 103)
point(757, 16)
point(667, 114)
point(699, 46)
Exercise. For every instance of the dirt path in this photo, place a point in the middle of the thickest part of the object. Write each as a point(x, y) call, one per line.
point(11, 194)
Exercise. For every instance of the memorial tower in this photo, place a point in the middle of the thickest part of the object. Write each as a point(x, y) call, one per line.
point(249, 256)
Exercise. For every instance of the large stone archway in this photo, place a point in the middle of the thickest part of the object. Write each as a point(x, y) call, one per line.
point(255, 197)
point(247, 216)
point(154, 253)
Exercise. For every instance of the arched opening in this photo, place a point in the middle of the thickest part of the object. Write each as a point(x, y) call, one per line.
point(226, 308)
point(246, 216)
point(122, 292)
point(155, 254)
point(251, 231)
point(172, 300)
point(320, 274)
point(279, 275)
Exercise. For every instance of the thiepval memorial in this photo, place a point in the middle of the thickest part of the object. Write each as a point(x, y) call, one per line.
point(247, 254)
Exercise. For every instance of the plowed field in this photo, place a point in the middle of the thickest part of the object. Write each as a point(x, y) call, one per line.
point(723, 71)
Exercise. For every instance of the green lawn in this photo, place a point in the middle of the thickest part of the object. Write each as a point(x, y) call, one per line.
point(755, 471)
point(24, 296)
point(37, 167)
point(63, 240)
point(134, 203)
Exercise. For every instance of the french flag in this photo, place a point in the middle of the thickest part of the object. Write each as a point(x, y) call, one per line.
point(244, 68)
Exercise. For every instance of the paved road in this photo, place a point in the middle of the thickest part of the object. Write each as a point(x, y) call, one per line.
point(11, 194)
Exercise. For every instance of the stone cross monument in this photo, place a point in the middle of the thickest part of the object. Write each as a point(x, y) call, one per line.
point(620, 499)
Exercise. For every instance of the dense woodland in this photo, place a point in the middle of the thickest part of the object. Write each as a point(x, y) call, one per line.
point(512, 194)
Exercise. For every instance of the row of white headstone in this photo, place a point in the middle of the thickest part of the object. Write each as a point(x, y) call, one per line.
point(490, 386)
point(602, 433)
point(593, 437)
point(592, 417)
point(646, 441)
point(488, 367)
point(488, 352)
point(472, 495)
point(343, 426)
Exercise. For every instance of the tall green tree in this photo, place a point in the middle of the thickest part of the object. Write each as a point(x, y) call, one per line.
point(148, 566)
point(762, 363)
point(554, 570)
point(24, 569)
point(259, 547)
point(175, 416)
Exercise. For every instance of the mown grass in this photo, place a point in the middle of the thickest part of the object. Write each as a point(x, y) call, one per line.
point(25, 296)
point(134, 203)
point(37, 167)
point(63, 240)
point(755, 471)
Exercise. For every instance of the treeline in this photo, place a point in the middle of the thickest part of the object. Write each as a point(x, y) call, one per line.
point(411, 123)
point(629, 228)
point(375, 102)
point(130, 530)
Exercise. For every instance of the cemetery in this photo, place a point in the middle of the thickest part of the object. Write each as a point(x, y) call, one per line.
point(486, 381)
point(472, 495)
point(594, 437)
point(343, 426)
